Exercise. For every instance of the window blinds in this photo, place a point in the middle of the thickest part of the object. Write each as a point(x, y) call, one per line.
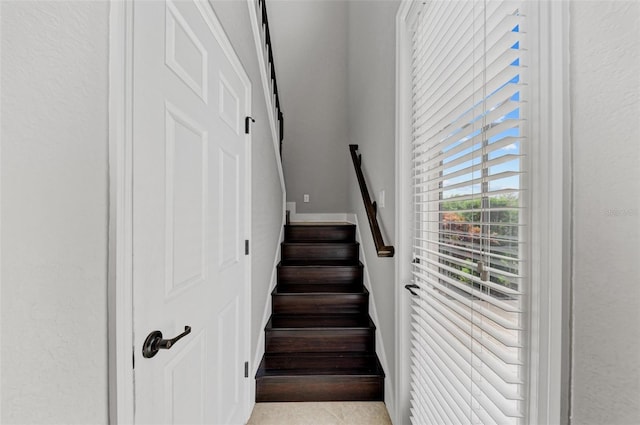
point(468, 145)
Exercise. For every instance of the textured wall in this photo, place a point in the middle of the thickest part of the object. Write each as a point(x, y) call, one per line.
point(371, 88)
point(605, 72)
point(266, 191)
point(310, 49)
point(54, 212)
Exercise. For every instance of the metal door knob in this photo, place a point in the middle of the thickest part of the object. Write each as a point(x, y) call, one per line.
point(155, 343)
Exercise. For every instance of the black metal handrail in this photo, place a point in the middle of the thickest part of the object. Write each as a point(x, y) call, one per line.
point(279, 114)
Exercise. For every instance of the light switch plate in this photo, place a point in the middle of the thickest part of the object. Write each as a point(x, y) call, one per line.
point(305, 197)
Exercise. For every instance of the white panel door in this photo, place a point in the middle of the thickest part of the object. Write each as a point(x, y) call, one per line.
point(189, 187)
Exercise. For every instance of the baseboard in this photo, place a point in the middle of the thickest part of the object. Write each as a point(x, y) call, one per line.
point(314, 217)
point(319, 217)
point(389, 394)
point(291, 207)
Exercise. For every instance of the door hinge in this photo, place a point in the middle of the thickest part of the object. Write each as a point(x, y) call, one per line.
point(133, 358)
point(246, 369)
point(247, 125)
point(246, 247)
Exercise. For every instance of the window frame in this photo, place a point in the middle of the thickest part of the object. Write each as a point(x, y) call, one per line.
point(549, 232)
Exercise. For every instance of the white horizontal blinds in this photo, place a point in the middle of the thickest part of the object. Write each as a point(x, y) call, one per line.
point(468, 144)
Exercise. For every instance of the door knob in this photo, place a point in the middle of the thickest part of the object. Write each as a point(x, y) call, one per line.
point(155, 343)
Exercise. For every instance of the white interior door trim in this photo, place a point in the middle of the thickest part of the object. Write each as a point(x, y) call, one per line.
point(403, 217)
point(120, 265)
point(120, 288)
point(551, 220)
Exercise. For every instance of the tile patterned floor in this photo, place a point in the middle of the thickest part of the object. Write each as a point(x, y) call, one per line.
point(326, 413)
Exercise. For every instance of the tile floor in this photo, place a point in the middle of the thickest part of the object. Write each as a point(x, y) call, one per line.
point(325, 413)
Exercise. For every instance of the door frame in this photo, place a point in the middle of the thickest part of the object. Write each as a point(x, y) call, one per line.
point(120, 262)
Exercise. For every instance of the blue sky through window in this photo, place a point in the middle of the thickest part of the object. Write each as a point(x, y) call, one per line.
point(510, 152)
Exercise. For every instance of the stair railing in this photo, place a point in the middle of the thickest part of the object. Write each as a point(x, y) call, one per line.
point(265, 36)
point(371, 207)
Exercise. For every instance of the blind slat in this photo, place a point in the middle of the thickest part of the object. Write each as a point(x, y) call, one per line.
point(505, 381)
point(471, 249)
point(463, 373)
point(500, 319)
point(491, 338)
point(436, 153)
point(435, 95)
point(497, 145)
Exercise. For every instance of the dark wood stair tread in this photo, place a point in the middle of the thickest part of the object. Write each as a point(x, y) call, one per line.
point(319, 243)
point(320, 299)
point(305, 364)
point(320, 272)
point(320, 251)
point(320, 322)
point(320, 224)
point(315, 289)
point(319, 232)
point(320, 263)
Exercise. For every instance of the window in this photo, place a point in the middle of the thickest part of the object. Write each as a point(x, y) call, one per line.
point(469, 180)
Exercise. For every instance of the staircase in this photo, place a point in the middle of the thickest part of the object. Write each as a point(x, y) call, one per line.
point(320, 340)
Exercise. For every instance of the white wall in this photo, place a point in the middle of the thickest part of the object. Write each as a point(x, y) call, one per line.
point(267, 196)
point(605, 80)
point(310, 50)
point(371, 88)
point(54, 212)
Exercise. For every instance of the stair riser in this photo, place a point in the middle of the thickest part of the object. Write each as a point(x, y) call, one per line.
point(319, 388)
point(320, 304)
point(308, 288)
point(320, 252)
point(323, 234)
point(305, 341)
point(325, 364)
point(348, 275)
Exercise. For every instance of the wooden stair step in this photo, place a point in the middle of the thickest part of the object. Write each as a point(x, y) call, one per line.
point(309, 251)
point(320, 377)
point(320, 272)
point(319, 262)
point(319, 321)
point(325, 288)
point(321, 299)
point(320, 364)
point(328, 232)
point(319, 333)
